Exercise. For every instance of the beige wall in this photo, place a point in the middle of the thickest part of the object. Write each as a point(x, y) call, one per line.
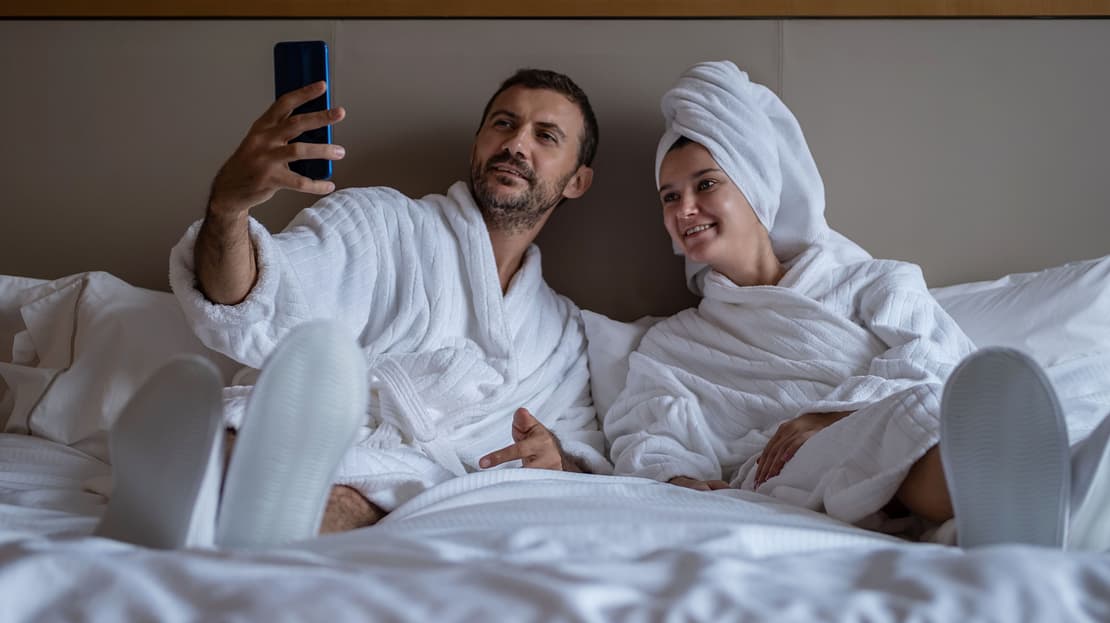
point(973, 147)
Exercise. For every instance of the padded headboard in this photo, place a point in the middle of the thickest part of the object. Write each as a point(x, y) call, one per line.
point(972, 147)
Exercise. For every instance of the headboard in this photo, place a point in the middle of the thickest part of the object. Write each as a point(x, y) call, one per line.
point(974, 147)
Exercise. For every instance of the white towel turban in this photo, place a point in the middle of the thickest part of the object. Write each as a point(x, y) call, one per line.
point(758, 143)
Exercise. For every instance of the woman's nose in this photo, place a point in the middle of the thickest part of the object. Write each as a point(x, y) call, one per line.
point(687, 206)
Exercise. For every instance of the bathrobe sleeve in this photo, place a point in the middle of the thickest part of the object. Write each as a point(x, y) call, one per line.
point(657, 427)
point(923, 342)
point(336, 259)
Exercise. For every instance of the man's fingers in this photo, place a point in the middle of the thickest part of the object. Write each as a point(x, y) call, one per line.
point(293, 126)
point(524, 424)
point(504, 455)
point(303, 184)
point(284, 105)
point(524, 420)
point(310, 151)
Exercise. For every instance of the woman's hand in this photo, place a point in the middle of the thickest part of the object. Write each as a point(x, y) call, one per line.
point(698, 485)
point(787, 439)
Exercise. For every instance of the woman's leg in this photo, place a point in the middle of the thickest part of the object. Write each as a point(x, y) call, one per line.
point(925, 491)
point(1005, 451)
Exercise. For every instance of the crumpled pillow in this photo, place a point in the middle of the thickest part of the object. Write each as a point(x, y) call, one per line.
point(87, 342)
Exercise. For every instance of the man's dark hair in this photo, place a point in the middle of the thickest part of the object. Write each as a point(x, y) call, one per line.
point(554, 81)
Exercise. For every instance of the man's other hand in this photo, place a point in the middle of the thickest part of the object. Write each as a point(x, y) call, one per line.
point(536, 447)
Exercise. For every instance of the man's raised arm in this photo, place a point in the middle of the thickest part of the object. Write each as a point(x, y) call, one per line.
point(224, 256)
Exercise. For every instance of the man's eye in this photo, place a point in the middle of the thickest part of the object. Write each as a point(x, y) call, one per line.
point(501, 123)
point(548, 137)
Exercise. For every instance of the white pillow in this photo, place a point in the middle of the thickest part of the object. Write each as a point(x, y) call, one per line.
point(1055, 315)
point(89, 341)
point(11, 323)
point(1060, 316)
point(11, 320)
point(609, 343)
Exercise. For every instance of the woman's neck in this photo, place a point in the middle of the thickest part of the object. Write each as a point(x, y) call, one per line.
point(760, 267)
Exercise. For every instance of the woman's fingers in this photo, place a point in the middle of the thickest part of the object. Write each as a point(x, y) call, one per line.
point(771, 462)
point(768, 451)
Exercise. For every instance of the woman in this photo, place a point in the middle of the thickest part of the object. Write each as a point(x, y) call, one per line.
point(800, 337)
point(816, 374)
point(810, 371)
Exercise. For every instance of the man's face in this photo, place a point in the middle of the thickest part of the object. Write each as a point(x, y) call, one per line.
point(525, 157)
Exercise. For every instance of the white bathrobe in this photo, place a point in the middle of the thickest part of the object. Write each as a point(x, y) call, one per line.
point(708, 387)
point(450, 357)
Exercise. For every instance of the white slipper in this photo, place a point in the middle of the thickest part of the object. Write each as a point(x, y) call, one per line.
point(160, 447)
point(1004, 448)
point(300, 420)
point(1090, 492)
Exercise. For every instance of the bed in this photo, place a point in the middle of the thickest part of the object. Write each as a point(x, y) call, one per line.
point(973, 147)
point(521, 545)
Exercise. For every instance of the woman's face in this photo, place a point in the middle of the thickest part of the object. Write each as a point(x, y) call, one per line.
point(707, 216)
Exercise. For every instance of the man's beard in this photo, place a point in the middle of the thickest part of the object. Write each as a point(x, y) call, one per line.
point(522, 211)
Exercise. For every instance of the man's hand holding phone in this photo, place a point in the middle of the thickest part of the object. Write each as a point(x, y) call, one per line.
point(260, 165)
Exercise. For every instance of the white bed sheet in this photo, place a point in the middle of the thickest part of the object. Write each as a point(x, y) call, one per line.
point(522, 545)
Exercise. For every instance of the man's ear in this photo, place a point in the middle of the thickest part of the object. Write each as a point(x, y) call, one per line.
point(579, 182)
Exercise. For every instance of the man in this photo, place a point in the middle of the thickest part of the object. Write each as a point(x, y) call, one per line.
point(473, 361)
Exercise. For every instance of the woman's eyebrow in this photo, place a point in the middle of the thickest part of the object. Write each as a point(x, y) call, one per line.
point(694, 175)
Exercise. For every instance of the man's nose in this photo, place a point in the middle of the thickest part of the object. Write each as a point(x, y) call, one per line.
point(516, 143)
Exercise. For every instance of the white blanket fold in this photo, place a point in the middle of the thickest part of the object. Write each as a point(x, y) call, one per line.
point(708, 387)
point(450, 357)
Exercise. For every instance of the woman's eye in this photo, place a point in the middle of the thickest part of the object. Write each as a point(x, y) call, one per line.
point(500, 123)
point(669, 197)
point(706, 184)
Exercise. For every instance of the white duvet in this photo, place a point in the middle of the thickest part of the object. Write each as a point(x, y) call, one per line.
point(523, 545)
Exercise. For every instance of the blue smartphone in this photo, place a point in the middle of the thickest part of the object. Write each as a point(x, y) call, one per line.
point(296, 64)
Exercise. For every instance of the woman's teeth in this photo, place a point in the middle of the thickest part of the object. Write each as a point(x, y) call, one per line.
point(697, 229)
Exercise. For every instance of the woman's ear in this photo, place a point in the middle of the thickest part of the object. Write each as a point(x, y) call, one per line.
point(579, 182)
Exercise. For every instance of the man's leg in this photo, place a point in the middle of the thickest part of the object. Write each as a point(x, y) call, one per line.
point(161, 445)
point(300, 420)
point(346, 508)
